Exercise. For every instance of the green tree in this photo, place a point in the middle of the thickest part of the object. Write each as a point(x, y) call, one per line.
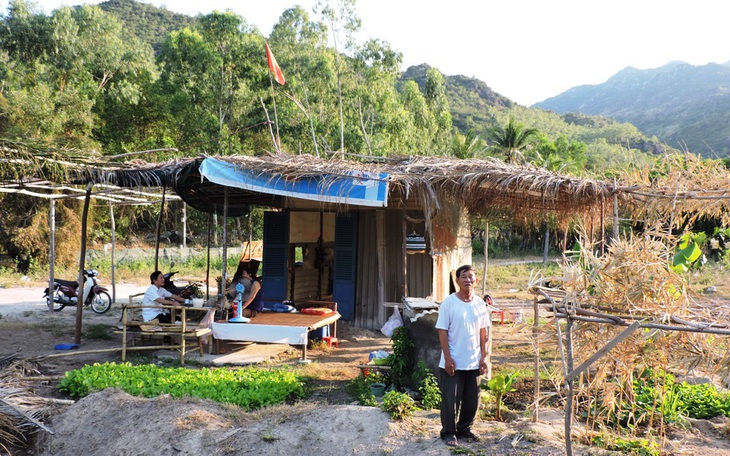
point(439, 106)
point(307, 111)
point(213, 77)
point(468, 146)
point(341, 15)
point(512, 140)
point(63, 68)
point(561, 155)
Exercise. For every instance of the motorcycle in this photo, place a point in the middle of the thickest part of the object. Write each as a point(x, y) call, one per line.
point(188, 292)
point(65, 293)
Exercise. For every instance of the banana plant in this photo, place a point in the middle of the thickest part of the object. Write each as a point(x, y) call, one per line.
point(689, 251)
point(499, 386)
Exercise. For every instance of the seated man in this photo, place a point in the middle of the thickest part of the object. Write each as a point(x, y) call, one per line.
point(157, 295)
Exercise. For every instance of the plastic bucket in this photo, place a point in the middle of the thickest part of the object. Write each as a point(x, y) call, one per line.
point(378, 389)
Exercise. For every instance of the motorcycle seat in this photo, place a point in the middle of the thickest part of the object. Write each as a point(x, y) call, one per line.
point(68, 283)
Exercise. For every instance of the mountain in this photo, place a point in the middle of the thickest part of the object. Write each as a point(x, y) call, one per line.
point(470, 100)
point(685, 106)
point(149, 23)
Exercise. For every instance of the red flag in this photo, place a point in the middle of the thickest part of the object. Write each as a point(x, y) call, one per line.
point(273, 66)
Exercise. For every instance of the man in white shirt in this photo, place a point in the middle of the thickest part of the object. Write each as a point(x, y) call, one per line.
point(157, 295)
point(462, 325)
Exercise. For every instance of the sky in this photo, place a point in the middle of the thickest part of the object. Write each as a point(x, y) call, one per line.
point(526, 50)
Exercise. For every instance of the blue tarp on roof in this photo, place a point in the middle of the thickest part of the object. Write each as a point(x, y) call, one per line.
point(357, 188)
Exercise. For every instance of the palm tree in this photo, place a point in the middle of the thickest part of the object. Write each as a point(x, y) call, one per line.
point(512, 140)
point(468, 146)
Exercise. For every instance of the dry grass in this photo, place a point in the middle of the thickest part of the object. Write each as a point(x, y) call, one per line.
point(633, 282)
point(21, 411)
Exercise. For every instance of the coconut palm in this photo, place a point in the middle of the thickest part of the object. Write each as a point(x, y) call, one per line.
point(512, 140)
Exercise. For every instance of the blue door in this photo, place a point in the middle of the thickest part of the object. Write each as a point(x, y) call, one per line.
point(276, 253)
point(345, 268)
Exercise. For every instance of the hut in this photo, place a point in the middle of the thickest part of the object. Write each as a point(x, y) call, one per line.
point(365, 232)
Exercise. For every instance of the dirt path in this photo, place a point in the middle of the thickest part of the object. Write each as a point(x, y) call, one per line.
point(328, 422)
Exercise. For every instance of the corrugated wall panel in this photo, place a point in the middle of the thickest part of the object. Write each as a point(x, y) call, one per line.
point(366, 312)
point(420, 275)
point(394, 272)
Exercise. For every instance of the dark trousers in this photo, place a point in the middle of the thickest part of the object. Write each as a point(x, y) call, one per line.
point(459, 396)
point(166, 318)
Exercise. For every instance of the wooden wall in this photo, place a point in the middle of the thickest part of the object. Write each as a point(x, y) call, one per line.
point(370, 312)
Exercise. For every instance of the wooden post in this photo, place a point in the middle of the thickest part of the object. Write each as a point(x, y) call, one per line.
point(207, 262)
point(486, 261)
point(546, 246)
point(51, 253)
point(603, 228)
point(569, 388)
point(185, 224)
point(615, 218)
point(157, 230)
point(82, 261)
point(215, 230)
point(380, 242)
point(224, 254)
point(536, 361)
point(114, 246)
point(405, 258)
point(320, 248)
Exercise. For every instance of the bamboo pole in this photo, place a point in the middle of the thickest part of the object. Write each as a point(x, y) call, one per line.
point(224, 254)
point(207, 262)
point(114, 246)
point(82, 261)
point(157, 230)
point(568, 384)
point(536, 362)
point(51, 254)
point(486, 257)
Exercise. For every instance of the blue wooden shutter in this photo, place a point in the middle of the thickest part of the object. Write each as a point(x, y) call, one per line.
point(345, 273)
point(276, 253)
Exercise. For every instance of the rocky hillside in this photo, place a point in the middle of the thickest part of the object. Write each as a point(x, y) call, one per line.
point(685, 106)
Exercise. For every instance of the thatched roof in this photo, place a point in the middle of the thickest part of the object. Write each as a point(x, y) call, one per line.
point(678, 189)
point(482, 186)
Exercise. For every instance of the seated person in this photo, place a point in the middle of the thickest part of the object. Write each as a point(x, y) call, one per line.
point(246, 282)
point(252, 301)
point(157, 295)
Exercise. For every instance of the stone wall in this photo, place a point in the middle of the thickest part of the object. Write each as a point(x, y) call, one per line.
point(425, 340)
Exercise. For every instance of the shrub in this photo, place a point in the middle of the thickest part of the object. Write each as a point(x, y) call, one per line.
point(359, 387)
point(402, 364)
point(399, 405)
point(427, 386)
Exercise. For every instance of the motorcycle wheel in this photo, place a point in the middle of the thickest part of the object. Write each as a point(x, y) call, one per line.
point(56, 304)
point(101, 303)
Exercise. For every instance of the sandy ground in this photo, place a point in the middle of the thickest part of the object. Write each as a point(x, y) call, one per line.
point(19, 301)
point(112, 422)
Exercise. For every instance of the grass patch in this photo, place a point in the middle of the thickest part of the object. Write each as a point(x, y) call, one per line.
point(98, 331)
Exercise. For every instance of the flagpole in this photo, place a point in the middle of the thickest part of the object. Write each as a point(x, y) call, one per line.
point(273, 140)
point(276, 117)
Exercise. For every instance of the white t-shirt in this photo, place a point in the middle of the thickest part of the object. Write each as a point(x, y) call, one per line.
point(149, 298)
point(463, 321)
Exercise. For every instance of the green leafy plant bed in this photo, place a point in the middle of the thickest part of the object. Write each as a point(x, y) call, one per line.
point(249, 388)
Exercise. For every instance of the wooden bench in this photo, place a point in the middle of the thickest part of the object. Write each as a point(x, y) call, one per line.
point(133, 328)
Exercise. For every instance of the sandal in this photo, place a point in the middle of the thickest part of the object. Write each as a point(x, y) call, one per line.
point(470, 436)
point(450, 440)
